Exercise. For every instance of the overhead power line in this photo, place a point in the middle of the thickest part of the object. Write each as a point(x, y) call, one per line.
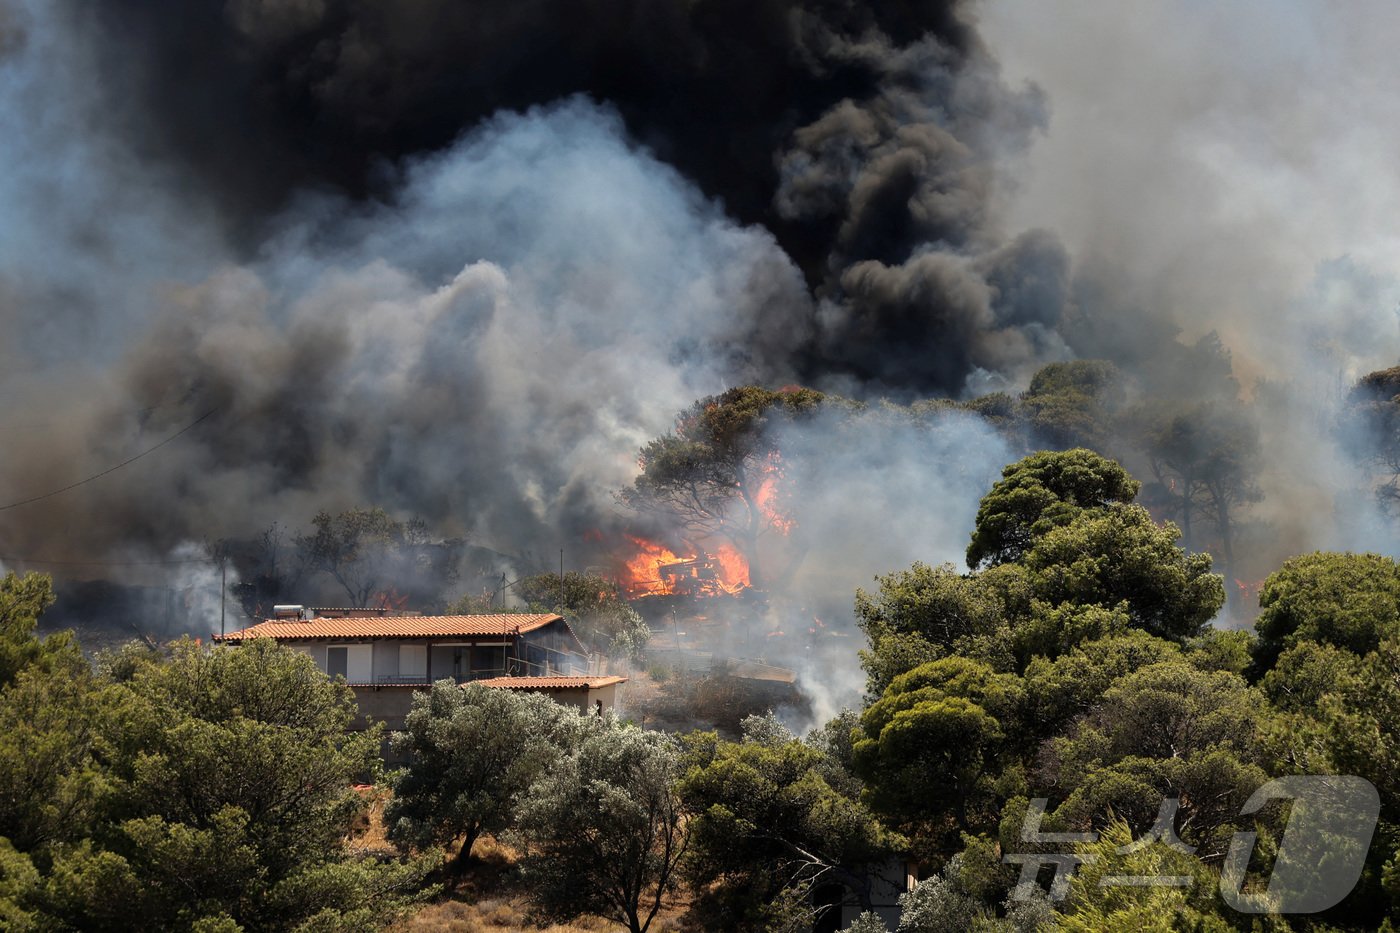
point(107, 563)
point(96, 476)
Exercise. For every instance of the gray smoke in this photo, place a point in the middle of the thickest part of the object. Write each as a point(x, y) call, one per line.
point(491, 352)
point(409, 296)
point(1228, 170)
point(463, 260)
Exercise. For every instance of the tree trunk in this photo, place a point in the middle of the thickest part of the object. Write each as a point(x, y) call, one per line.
point(464, 857)
point(1187, 504)
point(1227, 550)
point(750, 549)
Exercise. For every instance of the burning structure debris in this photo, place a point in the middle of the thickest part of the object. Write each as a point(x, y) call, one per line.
point(655, 571)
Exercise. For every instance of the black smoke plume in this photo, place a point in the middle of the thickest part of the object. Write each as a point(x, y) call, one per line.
point(862, 135)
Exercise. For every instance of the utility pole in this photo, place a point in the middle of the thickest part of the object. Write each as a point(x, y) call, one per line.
point(223, 591)
point(676, 634)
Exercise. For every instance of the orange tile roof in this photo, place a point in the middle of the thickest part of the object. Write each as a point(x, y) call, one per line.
point(393, 627)
point(548, 683)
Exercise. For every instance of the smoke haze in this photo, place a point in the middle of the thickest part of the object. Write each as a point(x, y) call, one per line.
point(462, 260)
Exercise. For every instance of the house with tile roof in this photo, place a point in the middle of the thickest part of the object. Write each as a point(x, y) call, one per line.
point(586, 691)
point(385, 655)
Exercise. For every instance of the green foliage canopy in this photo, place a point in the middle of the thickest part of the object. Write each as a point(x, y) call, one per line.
point(1350, 601)
point(473, 753)
point(603, 830)
point(1043, 491)
point(771, 816)
point(206, 790)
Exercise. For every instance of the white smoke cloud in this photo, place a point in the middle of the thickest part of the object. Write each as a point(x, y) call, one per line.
point(197, 589)
point(1220, 159)
point(1230, 168)
point(878, 492)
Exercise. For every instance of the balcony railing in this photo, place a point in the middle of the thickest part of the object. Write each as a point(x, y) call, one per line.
point(515, 668)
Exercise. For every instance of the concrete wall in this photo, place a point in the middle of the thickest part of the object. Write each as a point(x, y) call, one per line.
point(388, 705)
point(582, 698)
point(607, 694)
point(578, 698)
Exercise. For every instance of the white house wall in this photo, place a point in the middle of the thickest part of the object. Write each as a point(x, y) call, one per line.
point(317, 653)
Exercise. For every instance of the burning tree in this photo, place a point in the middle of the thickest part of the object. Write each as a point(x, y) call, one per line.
point(718, 474)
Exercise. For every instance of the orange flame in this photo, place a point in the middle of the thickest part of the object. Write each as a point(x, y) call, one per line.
point(643, 569)
point(656, 570)
point(732, 569)
point(1249, 589)
point(389, 599)
point(767, 497)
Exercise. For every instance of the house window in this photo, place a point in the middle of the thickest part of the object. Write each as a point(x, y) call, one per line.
point(413, 662)
point(353, 662)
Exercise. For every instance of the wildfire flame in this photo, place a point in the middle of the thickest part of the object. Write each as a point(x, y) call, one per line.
point(655, 570)
point(643, 569)
point(390, 599)
point(767, 497)
point(731, 567)
point(1249, 589)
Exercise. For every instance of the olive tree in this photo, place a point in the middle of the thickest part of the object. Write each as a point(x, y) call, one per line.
point(603, 829)
point(473, 753)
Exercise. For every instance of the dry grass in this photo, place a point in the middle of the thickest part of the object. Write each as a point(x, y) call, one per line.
point(487, 898)
point(489, 915)
point(368, 835)
point(715, 701)
point(511, 915)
